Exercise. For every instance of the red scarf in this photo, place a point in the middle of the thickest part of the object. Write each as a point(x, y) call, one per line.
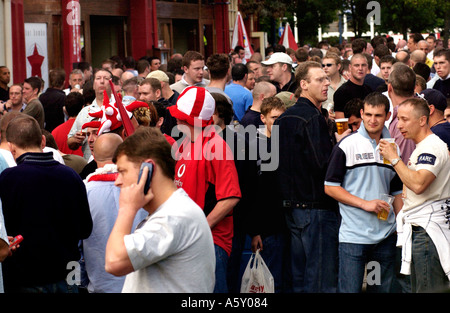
point(104, 177)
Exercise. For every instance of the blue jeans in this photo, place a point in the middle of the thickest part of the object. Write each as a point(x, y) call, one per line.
point(402, 283)
point(234, 262)
point(314, 249)
point(274, 255)
point(352, 262)
point(221, 270)
point(427, 274)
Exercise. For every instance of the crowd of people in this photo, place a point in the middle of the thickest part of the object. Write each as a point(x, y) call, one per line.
point(235, 149)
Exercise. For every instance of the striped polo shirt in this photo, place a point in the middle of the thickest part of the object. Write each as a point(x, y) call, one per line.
point(357, 166)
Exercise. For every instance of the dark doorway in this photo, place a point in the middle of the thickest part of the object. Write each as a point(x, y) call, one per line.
point(208, 39)
point(185, 35)
point(108, 38)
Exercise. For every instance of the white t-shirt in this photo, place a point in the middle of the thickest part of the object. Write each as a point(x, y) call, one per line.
point(431, 154)
point(172, 251)
point(8, 157)
point(56, 155)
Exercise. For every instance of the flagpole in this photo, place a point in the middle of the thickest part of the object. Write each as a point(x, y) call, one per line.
point(129, 128)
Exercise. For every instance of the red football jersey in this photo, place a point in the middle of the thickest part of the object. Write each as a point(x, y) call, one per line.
point(208, 164)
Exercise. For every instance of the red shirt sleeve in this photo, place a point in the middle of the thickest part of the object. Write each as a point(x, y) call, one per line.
point(221, 170)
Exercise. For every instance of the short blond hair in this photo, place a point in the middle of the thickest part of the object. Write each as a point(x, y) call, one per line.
point(334, 56)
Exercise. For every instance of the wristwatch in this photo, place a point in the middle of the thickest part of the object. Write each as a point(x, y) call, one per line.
point(395, 161)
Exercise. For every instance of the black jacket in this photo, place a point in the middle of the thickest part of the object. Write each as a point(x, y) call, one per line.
point(305, 146)
point(53, 101)
point(45, 202)
point(291, 86)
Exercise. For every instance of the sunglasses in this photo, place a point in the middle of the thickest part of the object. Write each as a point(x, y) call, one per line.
point(327, 65)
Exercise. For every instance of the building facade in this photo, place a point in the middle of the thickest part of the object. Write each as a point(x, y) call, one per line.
point(38, 35)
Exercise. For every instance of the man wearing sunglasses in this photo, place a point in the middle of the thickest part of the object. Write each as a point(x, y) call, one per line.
point(331, 65)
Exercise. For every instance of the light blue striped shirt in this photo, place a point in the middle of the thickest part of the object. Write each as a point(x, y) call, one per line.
point(357, 166)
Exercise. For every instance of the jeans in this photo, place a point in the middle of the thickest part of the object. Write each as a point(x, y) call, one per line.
point(427, 274)
point(314, 249)
point(380, 259)
point(275, 254)
point(402, 283)
point(234, 262)
point(221, 270)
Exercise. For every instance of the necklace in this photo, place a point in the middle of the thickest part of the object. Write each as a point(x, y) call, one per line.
point(438, 122)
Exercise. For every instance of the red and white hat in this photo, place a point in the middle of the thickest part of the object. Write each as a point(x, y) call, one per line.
point(92, 124)
point(194, 103)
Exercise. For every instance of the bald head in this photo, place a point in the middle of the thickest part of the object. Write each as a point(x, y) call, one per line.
point(105, 146)
point(264, 88)
point(126, 75)
point(402, 56)
point(418, 56)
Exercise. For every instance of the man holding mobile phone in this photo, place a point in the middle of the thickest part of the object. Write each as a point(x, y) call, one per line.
point(103, 197)
point(172, 249)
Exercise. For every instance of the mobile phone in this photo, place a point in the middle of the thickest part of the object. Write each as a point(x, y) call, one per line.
point(18, 239)
point(149, 177)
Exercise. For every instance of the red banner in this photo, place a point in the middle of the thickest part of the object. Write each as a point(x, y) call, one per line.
point(71, 34)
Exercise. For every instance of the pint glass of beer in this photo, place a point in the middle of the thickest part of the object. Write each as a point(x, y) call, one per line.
point(341, 125)
point(392, 142)
point(383, 215)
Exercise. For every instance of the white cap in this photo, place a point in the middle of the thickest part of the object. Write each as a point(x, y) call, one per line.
point(194, 103)
point(278, 57)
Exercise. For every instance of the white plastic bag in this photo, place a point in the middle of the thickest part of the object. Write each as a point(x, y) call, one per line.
point(257, 277)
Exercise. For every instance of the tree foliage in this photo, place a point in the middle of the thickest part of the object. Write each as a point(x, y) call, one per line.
point(312, 14)
point(356, 11)
point(405, 16)
point(399, 16)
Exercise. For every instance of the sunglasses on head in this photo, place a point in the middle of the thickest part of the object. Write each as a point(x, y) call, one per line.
point(327, 65)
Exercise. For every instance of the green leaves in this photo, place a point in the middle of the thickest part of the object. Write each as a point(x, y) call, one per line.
point(399, 16)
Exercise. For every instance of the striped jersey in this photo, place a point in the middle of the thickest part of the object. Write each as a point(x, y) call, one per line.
point(357, 165)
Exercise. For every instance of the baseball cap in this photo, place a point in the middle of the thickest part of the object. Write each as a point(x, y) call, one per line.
point(278, 57)
point(194, 103)
point(287, 97)
point(159, 75)
point(436, 98)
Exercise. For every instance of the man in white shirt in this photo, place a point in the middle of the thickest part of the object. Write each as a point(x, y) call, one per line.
point(193, 67)
point(76, 137)
point(422, 224)
point(76, 82)
point(331, 64)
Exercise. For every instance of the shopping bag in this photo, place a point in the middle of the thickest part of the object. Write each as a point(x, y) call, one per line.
point(257, 277)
